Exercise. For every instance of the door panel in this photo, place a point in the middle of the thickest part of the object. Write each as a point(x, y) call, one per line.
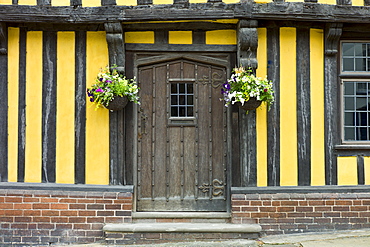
point(181, 137)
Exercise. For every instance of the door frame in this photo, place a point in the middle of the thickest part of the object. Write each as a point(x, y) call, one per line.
point(208, 58)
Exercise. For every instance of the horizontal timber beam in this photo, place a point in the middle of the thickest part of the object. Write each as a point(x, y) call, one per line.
point(197, 11)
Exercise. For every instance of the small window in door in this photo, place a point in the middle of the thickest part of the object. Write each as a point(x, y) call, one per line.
point(182, 103)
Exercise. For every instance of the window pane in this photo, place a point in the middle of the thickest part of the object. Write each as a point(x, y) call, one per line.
point(174, 100)
point(349, 133)
point(361, 88)
point(361, 104)
point(182, 100)
point(182, 112)
point(360, 49)
point(190, 88)
point(181, 88)
point(360, 64)
point(190, 111)
point(362, 134)
point(349, 88)
point(348, 64)
point(174, 112)
point(173, 88)
point(190, 99)
point(349, 119)
point(348, 49)
point(349, 104)
point(361, 119)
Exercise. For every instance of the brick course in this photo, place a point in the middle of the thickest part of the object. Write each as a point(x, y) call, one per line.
point(32, 217)
point(295, 213)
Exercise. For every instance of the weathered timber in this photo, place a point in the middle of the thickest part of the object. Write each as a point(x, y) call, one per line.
point(3, 104)
point(199, 37)
point(49, 99)
point(247, 52)
point(108, 2)
point(183, 26)
point(273, 116)
point(303, 106)
point(80, 107)
point(181, 48)
point(116, 51)
point(22, 105)
point(333, 33)
point(302, 11)
point(360, 170)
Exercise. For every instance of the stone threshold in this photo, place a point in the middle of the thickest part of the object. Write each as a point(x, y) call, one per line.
point(180, 215)
point(183, 228)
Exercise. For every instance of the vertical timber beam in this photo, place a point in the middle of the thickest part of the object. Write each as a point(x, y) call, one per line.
point(247, 57)
point(116, 50)
point(333, 32)
point(303, 107)
point(3, 102)
point(273, 117)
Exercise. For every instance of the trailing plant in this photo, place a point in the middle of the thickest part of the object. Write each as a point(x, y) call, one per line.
point(109, 84)
point(244, 85)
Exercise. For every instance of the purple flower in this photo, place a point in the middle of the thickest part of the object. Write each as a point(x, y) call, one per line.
point(226, 86)
point(101, 79)
point(108, 81)
point(99, 90)
point(91, 99)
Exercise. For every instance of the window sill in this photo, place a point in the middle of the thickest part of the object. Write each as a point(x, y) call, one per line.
point(353, 147)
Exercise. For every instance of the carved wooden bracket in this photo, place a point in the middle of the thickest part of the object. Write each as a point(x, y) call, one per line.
point(247, 43)
point(3, 39)
point(333, 33)
point(116, 46)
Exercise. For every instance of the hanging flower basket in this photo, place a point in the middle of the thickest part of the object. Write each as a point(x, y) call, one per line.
point(118, 103)
point(246, 90)
point(251, 104)
point(113, 90)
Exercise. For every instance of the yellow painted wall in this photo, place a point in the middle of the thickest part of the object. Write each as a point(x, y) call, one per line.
point(347, 170)
point(317, 107)
point(180, 37)
point(33, 107)
point(197, 1)
point(65, 129)
point(288, 109)
point(60, 3)
point(13, 68)
point(261, 112)
point(91, 3)
point(333, 2)
point(221, 37)
point(126, 2)
point(162, 1)
point(357, 2)
point(27, 2)
point(263, 1)
point(139, 37)
point(97, 121)
point(5, 2)
point(367, 170)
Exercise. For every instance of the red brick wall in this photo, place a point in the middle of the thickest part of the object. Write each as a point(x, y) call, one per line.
point(44, 216)
point(292, 213)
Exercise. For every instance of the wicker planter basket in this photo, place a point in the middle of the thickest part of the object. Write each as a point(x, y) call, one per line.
point(251, 104)
point(118, 103)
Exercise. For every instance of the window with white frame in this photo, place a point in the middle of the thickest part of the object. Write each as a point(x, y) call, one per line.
point(355, 85)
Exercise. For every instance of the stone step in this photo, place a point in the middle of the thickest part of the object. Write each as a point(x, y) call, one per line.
point(150, 233)
point(183, 227)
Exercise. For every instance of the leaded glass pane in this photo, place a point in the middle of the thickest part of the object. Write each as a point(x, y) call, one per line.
point(182, 100)
point(348, 64)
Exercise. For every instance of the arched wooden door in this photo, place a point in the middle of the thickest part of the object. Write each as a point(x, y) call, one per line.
point(182, 137)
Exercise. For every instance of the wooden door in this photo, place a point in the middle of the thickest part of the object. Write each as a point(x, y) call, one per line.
point(182, 137)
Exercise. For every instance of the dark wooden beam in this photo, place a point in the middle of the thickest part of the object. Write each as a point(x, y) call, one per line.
point(3, 103)
point(273, 116)
point(22, 105)
point(303, 106)
point(247, 57)
point(302, 11)
point(116, 50)
point(80, 107)
point(49, 100)
point(332, 36)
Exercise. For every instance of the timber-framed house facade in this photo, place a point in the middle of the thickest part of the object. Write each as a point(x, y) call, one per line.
point(70, 173)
